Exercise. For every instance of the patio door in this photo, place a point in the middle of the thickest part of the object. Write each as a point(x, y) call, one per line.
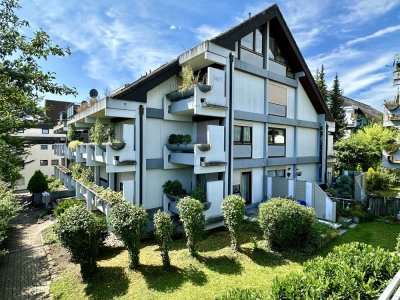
point(245, 187)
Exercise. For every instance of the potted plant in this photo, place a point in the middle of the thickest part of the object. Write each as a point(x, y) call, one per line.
point(180, 143)
point(37, 185)
point(198, 194)
point(173, 190)
point(98, 134)
point(117, 145)
point(186, 89)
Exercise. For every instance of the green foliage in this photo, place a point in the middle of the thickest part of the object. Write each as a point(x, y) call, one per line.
point(102, 227)
point(179, 139)
point(78, 231)
point(320, 81)
point(336, 104)
point(9, 208)
point(38, 183)
point(76, 170)
point(350, 271)
point(233, 210)
point(12, 158)
point(188, 78)
point(285, 223)
point(74, 144)
point(173, 187)
point(163, 229)
point(363, 148)
point(71, 133)
point(54, 184)
point(242, 294)
point(344, 187)
point(321, 235)
point(191, 215)
point(82, 174)
point(111, 196)
point(129, 223)
point(198, 194)
point(98, 133)
point(64, 205)
point(379, 180)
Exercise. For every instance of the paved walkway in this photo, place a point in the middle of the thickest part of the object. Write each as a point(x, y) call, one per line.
point(24, 271)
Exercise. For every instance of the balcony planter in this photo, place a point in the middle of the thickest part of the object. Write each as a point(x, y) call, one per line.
point(180, 147)
point(204, 147)
point(117, 146)
point(102, 146)
point(173, 198)
point(177, 95)
point(206, 205)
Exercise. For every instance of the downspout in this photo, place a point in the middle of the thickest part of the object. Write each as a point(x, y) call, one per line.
point(230, 165)
point(141, 146)
point(326, 152)
point(296, 102)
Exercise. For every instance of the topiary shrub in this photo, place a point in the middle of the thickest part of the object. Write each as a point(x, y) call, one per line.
point(129, 224)
point(242, 294)
point(37, 183)
point(67, 203)
point(191, 215)
point(103, 228)
point(163, 229)
point(233, 210)
point(285, 223)
point(78, 231)
point(350, 271)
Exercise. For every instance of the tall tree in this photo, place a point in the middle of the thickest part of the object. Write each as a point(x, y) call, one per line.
point(320, 80)
point(336, 104)
point(22, 80)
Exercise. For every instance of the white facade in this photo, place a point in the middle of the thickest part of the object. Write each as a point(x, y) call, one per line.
point(253, 119)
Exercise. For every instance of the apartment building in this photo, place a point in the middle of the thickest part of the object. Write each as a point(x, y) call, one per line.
point(41, 140)
point(257, 123)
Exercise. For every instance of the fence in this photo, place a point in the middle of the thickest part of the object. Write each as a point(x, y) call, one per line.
point(384, 206)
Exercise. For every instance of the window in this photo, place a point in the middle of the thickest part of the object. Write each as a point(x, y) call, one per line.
point(54, 162)
point(242, 135)
point(44, 147)
point(44, 162)
point(52, 147)
point(253, 41)
point(45, 130)
point(277, 94)
point(276, 136)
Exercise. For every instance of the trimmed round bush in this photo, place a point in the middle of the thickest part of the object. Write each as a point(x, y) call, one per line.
point(242, 294)
point(350, 271)
point(67, 203)
point(78, 231)
point(129, 224)
point(102, 227)
point(191, 215)
point(37, 183)
point(233, 210)
point(163, 230)
point(286, 224)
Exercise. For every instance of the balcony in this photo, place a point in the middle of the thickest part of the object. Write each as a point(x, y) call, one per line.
point(202, 99)
point(205, 158)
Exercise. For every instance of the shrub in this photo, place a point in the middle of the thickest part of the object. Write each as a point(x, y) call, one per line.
point(98, 133)
point(350, 271)
point(179, 139)
point(344, 188)
point(285, 223)
point(198, 194)
point(187, 139)
point(74, 144)
point(163, 229)
point(129, 223)
point(103, 228)
point(9, 208)
point(54, 184)
point(71, 133)
point(321, 235)
point(173, 188)
point(67, 203)
point(233, 210)
point(76, 171)
point(242, 294)
point(86, 176)
point(78, 231)
point(37, 183)
point(379, 180)
point(191, 215)
point(110, 196)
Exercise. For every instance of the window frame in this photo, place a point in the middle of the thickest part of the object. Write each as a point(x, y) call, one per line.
point(254, 46)
point(242, 142)
point(41, 162)
point(54, 160)
point(44, 131)
point(44, 147)
point(273, 135)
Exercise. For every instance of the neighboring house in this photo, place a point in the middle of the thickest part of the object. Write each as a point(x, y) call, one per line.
point(359, 114)
point(391, 118)
point(257, 124)
point(41, 140)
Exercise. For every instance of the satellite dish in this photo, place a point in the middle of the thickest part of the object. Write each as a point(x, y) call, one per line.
point(93, 93)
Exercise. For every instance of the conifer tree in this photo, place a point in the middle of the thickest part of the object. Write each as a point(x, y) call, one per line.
point(336, 104)
point(320, 80)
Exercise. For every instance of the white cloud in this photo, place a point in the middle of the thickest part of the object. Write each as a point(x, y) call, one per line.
point(172, 27)
point(366, 10)
point(376, 94)
point(206, 32)
point(376, 34)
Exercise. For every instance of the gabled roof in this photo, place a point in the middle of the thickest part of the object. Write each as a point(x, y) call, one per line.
point(370, 112)
point(138, 89)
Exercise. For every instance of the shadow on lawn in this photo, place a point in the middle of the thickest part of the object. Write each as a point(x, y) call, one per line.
point(108, 283)
point(265, 258)
point(168, 280)
point(108, 252)
point(221, 264)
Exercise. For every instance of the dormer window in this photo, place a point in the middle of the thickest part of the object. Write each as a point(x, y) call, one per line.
point(253, 42)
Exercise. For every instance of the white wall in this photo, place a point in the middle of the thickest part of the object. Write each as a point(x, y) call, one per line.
point(305, 109)
point(256, 182)
point(258, 138)
point(248, 92)
point(155, 95)
point(309, 172)
point(307, 142)
point(289, 138)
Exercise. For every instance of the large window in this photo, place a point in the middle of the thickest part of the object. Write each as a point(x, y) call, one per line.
point(276, 136)
point(242, 135)
point(253, 41)
point(44, 162)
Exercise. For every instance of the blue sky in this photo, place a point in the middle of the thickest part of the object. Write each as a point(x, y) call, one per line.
point(115, 42)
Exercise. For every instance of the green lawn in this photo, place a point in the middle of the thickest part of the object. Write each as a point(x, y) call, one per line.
point(216, 270)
